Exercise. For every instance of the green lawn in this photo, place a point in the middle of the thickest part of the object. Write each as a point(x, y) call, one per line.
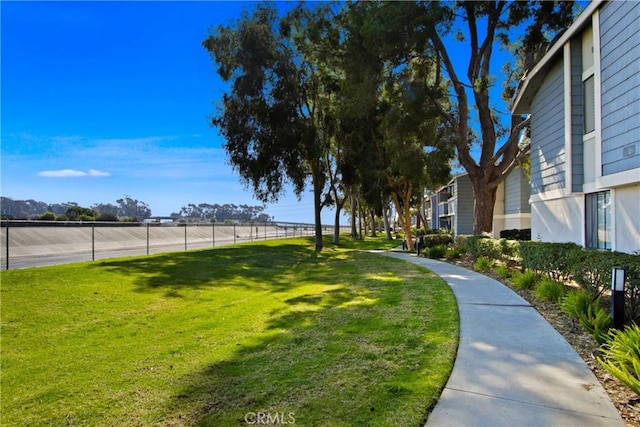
point(341, 337)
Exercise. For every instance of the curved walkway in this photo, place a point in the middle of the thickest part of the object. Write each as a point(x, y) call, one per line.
point(512, 367)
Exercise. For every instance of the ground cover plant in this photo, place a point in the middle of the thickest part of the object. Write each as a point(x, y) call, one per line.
point(214, 337)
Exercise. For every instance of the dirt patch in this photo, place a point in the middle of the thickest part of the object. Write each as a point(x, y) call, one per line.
point(627, 401)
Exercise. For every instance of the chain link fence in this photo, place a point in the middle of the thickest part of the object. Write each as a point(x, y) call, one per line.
point(33, 244)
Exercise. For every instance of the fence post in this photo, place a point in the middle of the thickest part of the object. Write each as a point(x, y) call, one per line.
point(7, 253)
point(185, 236)
point(148, 238)
point(213, 232)
point(234, 233)
point(93, 242)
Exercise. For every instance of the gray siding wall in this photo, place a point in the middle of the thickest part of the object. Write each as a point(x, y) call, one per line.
point(577, 116)
point(547, 133)
point(463, 219)
point(516, 193)
point(620, 65)
point(434, 225)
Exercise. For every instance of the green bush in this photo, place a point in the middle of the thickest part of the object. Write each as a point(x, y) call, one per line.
point(47, 216)
point(621, 356)
point(632, 291)
point(483, 264)
point(455, 252)
point(461, 240)
point(484, 246)
point(502, 271)
point(591, 269)
point(596, 321)
point(431, 240)
point(550, 290)
point(510, 248)
point(553, 260)
point(576, 302)
point(526, 280)
point(415, 231)
point(107, 217)
point(436, 252)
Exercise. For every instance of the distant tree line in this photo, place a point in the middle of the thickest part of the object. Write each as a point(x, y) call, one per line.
point(126, 209)
point(221, 213)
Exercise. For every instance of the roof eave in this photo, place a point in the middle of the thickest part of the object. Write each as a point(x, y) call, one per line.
point(533, 79)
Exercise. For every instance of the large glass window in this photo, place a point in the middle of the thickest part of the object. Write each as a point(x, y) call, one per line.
point(598, 220)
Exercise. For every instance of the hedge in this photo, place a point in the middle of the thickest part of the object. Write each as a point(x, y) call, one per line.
point(550, 259)
point(431, 240)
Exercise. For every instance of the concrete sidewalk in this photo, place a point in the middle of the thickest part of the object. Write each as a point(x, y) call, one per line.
point(512, 367)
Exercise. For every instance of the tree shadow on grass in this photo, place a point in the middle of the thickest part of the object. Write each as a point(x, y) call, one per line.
point(352, 354)
point(243, 266)
point(316, 368)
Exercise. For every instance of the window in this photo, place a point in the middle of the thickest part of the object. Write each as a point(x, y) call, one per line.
point(588, 82)
point(598, 220)
point(589, 105)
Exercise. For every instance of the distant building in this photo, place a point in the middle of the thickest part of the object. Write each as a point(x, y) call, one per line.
point(584, 101)
point(451, 206)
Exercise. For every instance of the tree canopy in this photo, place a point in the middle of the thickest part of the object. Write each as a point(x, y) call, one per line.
point(365, 98)
point(274, 117)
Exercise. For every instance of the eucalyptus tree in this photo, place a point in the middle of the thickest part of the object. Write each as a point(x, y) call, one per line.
point(274, 116)
point(392, 96)
point(490, 25)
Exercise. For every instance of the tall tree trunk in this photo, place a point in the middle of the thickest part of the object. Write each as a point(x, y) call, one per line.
point(385, 215)
point(336, 222)
point(354, 230)
point(484, 201)
point(404, 214)
point(317, 207)
point(359, 220)
point(373, 224)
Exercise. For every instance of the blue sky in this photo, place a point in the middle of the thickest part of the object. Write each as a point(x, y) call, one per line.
point(106, 99)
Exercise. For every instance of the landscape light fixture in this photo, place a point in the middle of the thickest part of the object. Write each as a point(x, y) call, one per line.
point(617, 297)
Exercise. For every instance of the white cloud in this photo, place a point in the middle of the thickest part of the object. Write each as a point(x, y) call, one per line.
point(72, 173)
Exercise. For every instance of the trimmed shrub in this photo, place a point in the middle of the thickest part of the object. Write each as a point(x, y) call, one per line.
point(461, 240)
point(515, 234)
point(484, 246)
point(436, 252)
point(483, 264)
point(553, 260)
point(510, 248)
point(591, 269)
point(526, 280)
point(455, 252)
point(550, 290)
point(431, 240)
point(621, 356)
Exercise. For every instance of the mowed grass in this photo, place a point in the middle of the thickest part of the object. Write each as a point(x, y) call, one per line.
point(333, 338)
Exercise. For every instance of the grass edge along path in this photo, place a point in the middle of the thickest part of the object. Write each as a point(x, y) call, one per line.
point(217, 337)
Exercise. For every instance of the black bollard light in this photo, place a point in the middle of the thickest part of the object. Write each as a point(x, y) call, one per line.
point(617, 297)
